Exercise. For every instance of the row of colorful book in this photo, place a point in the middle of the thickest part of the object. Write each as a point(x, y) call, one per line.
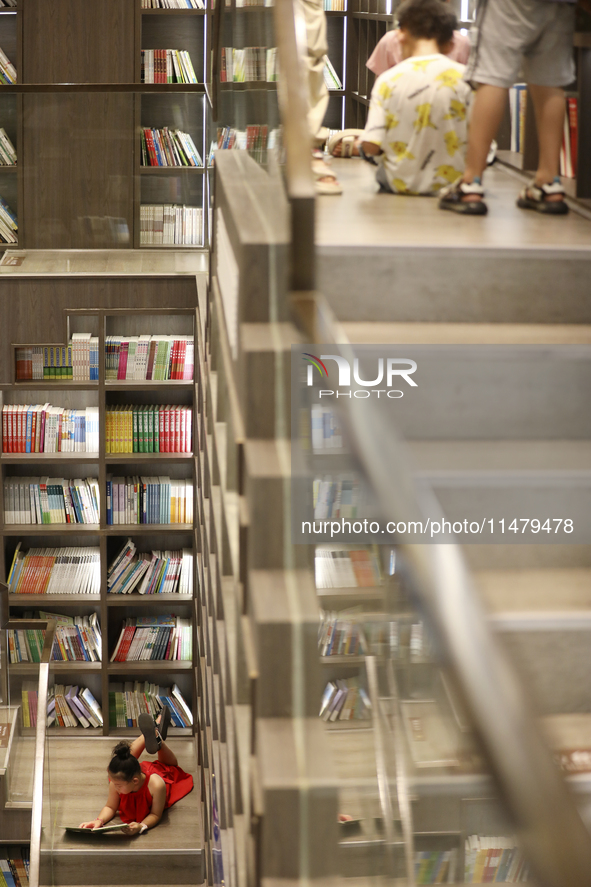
point(346, 568)
point(149, 500)
point(335, 5)
point(248, 65)
point(7, 149)
point(75, 362)
point(77, 639)
point(7, 69)
point(242, 3)
point(8, 222)
point(165, 224)
point(493, 860)
point(345, 700)
point(155, 428)
point(71, 570)
point(331, 78)
point(173, 4)
point(155, 572)
point(167, 66)
point(436, 866)
point(143, 638)
point(129, 700)
point(152, 358)
point(335, 497)
point(14, 866)
point(71, 706)
point(168, 147)
point(43, 428)
point(51, 500)
point(254, 139)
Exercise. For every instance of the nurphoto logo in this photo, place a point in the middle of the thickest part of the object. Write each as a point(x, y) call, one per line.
point(389, 370)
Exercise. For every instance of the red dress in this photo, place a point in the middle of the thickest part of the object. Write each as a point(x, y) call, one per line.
point(135, 806)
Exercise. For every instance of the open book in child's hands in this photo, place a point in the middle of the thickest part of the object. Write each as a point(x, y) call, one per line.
point(96, 831)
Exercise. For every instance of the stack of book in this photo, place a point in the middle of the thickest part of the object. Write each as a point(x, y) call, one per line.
point(51, 500)
point(253, 139)
point(14, 868)
point(335, 497)
point(7, 69)
point(29, 703)
point(151, 358)
point(493, 859)
point(75, 362)
point(128, 701)
point(167, 66)
point(56, 571)
point(168, 147)
point(146, 638)
point(340, 637)
point(241, 3)
point(42, 428)
point(345, 701)
point(436, 866)
point(77, 639)
point(70, 706)
point(155, 428)
point(157, 572)
point(346, 568)
point(331, 78)
point(248, 65)
point(7, 150)
point(335, 5)
point(149, 500)
point(173, 4)
point(8, 224)
point(166, 224)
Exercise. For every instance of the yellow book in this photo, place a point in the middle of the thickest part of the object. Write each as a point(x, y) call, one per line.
point(129, 429)
point(25, 709)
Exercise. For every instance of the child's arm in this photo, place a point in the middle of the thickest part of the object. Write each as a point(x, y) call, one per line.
point(108, 811)
point(157, 789)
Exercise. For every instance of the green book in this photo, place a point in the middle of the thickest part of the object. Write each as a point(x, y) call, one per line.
point(135, 411)
point(150, 447)
point(156, 411)
point(46, 364)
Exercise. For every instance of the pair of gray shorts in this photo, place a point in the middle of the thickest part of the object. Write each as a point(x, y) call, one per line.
point(533, 36)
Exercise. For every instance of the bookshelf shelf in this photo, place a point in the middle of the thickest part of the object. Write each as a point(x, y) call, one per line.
point(49, 600)
point(163, 170)
point(135, 458)
point(145, 529)
point(249, 86)
point(149, 386)
point(125, 600)
point(28, 668)
point(51, 529)
point(44, 385)
point(25, 458)
point(152, 666)
point(173, 12)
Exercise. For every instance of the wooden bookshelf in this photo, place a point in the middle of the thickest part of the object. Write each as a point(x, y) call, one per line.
point(66, 305)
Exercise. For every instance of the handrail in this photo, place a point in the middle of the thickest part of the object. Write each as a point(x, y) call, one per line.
point(545, 818)
point(402, 789)
point(49, 626)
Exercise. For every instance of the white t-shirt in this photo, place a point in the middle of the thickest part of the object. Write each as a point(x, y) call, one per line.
point(419, 118)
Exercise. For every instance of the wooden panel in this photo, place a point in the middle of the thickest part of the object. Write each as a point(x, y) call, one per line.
point(78, 190)
point(76, 41)
point(31, 308)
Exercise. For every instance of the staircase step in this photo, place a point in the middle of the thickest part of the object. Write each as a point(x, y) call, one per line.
point(369, 333)
point(448, 458)
point(172, 853)
point(537, 598)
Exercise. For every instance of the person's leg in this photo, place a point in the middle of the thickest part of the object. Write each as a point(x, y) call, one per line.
point(550, 108)
point(137, 746)
point(487, 114)
point(166, 755)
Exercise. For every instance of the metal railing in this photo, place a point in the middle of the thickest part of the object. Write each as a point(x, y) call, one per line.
point(49, 626)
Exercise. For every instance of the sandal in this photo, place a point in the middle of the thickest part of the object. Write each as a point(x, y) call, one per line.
point(325, 180)
point(153, 740)
point(164, 722)
point(536, 197)
point(451, 198)
point(346, 138)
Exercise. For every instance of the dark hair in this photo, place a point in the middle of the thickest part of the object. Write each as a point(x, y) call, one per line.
point(123, 763)
point(427, 20)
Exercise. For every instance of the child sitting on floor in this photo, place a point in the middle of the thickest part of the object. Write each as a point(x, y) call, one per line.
point(417, 122)
point(141, 792)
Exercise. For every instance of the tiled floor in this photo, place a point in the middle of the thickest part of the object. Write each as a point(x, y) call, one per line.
point(115, 261)
point(361, 216)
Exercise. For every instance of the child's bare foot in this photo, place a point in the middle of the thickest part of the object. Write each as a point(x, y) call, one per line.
point(344, 817)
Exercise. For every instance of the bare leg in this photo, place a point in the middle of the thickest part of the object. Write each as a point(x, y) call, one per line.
point(137, 746)
point(166, 755)
point(549, 106)
point(487, 113)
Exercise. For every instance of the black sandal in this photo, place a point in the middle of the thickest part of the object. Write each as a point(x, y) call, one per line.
point(151, 734)
point(536, 197)
point(164, 722)
point(452, 196)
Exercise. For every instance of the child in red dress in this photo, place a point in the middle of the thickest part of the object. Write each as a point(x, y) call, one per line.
point(141, 792)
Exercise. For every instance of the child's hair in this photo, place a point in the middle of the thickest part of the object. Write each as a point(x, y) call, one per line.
point(123, 763)
point(427, 20)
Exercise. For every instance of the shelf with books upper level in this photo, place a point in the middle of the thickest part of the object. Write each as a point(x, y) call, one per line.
point(170, 187)
point(64, 543)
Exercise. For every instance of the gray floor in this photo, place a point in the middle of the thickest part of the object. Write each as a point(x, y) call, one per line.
point(361, 216)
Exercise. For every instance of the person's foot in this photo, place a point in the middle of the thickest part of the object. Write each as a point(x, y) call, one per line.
point(340, 148)
point(544, 197)
point(163, 722)
point(466, 198)
point(325, 180)
point(151, 733)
